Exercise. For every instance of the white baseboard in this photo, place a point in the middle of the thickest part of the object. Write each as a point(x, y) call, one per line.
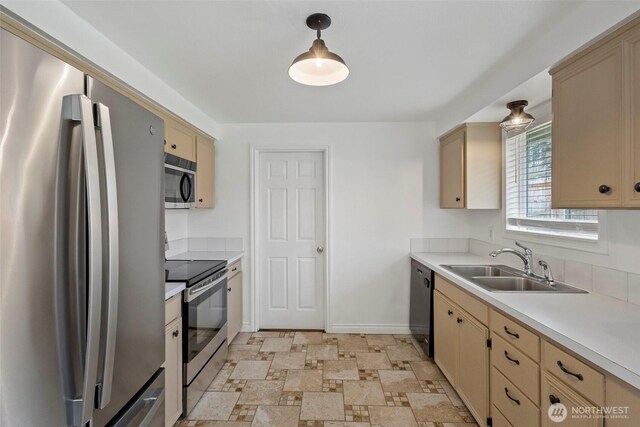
point(351, 328)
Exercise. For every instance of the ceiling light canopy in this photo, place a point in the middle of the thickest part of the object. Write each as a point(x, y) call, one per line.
point(318, 66)
point(518, 120)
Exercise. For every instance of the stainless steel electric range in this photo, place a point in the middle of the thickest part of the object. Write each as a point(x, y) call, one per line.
point(204, 323)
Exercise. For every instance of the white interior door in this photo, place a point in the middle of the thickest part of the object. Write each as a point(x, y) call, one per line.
point(291, 233)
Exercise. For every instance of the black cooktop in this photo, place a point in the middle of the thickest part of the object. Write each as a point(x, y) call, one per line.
point(191, 272)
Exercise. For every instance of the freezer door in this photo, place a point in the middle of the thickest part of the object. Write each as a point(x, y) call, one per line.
point(138, 137)
point(45, 299)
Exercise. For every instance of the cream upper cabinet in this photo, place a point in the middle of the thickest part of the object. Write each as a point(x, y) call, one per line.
point(452, 189)
point(471, 167)
point(179, 140)
point(596, 124)
point(205, 172)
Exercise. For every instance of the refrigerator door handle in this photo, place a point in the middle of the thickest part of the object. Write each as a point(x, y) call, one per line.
point(78, 108)
point(103, 121)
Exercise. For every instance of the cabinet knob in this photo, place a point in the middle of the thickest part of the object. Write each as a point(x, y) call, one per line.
point(228, 289)
point(174, 146)
point(449, 312)
point(200, 200)
point(459, 320)
point(604, 189)
point(176, 333)
point(637, 187)
point(457, 199)
point(553, 399)
point(165, 142)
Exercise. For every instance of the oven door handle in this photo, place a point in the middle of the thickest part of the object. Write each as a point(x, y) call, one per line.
point(191, 295)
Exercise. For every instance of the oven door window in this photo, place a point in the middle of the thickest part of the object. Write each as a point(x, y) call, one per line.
point(207, 315)
point(178, 186)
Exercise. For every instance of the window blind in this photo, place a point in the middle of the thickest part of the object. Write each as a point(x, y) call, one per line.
point(528, 190)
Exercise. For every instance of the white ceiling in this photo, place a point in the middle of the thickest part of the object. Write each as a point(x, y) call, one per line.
point(407, 60)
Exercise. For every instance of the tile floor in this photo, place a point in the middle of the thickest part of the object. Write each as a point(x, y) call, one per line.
point(295, 379)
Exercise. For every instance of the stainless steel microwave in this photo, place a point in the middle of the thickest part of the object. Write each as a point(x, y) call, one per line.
point(179, 182)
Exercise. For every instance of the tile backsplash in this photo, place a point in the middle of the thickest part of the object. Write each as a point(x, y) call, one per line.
point(209, 244)
point(617, 284)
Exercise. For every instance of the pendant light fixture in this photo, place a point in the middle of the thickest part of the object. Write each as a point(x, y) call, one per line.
point(518, 120)
point(318, 66)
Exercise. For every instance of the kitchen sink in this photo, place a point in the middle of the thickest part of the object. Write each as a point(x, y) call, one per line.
point(500, 278)
point(483, 270)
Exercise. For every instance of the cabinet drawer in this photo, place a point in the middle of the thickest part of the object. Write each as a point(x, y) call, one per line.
point(514, 405)
point(516, 335)
point(581, 377)
point(523, 372)
point(553, 389)
point(497, 419)
point(235, 268)
point(172, 309)
point(463, 299)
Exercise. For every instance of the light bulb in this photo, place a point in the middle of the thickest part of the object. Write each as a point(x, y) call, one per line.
point(318, 62)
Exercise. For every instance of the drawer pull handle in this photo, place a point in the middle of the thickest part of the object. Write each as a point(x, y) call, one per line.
point(174, 146)
point(176, 333)
point(449, 312)
point(459, 320)
point(234, 269)
point(553, 399)
point(513, 334)
point(568, 372)
point(510, 359)
point(506, 391)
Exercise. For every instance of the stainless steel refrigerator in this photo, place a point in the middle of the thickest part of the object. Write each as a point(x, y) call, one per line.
point(81, 248)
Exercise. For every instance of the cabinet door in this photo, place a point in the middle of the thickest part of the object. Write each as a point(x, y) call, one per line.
point(588, 131)
point(554, 389)
point(234, 307)
point(173, 372)
point(473, 366)
point(445, 337)
point(632, 181)
point(205, 159)
point(179, 141)
point(452, 192)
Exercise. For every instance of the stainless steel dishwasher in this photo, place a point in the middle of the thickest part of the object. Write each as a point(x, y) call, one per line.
point(421, 306)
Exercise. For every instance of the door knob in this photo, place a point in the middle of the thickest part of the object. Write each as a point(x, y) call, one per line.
point(319, 249)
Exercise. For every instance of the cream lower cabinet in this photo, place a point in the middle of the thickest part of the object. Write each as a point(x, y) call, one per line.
point(462, 354)
point(234, 300)
point(173, 361)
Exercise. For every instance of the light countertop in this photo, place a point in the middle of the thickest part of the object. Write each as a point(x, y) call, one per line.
point(229, 256)
point(173, 288)
point(602, 330)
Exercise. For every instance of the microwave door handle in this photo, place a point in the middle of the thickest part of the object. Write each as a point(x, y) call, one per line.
point(104, 122)
point(185, 178)
point(78, 108)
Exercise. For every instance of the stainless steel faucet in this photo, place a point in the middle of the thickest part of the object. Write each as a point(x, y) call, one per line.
point(548, 275)
point(526, 256)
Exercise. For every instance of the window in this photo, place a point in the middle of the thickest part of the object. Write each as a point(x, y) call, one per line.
point(528, 190)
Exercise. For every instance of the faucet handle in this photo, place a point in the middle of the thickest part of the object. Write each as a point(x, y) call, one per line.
point(526, 249)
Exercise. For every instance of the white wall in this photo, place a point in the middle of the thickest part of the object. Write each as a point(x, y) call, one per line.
point(377, 202)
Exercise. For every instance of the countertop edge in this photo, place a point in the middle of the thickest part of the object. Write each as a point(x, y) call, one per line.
point(173, 288)
point(597, 359)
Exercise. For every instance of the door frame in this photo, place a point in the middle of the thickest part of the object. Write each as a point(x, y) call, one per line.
point(256, 151)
